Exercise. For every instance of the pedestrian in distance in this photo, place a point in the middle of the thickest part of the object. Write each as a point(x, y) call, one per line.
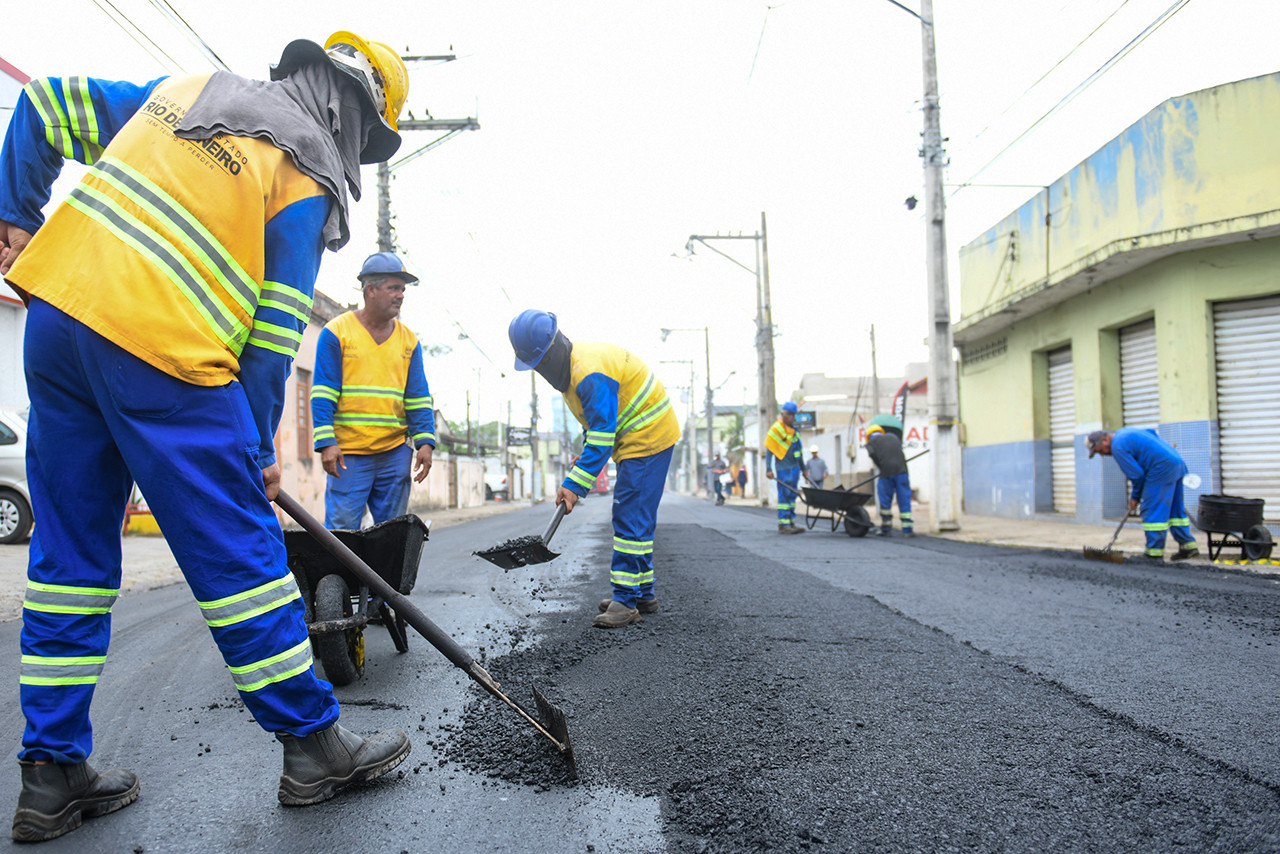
point(742, 481)
point(625, 413)
point(786, 454)
point(167, 296)
point(370, 403)
point(1156, 469)
point(719, 468)
point(815, 468)
point(893, 479)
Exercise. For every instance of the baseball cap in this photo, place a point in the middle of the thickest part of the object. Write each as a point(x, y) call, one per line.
point(1092, 440)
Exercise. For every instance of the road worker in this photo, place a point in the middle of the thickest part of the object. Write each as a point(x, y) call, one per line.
point(1155, 469)
point(786, 453)
point(166, 298)
point(625, 412)
point(370, 402)
point(893, 479)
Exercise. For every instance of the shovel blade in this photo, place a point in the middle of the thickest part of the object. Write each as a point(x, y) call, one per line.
point(518, 553)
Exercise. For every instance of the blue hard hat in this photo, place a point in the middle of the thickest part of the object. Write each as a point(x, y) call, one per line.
point(531, 333)
point(789, 406)
point(386, 264)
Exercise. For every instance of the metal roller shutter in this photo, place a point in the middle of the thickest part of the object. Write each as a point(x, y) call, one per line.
point(1139, 376)
point(1247, 353)
point(1062, 430)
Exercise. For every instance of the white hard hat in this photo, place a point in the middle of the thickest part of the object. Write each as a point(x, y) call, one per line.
point(813, 449)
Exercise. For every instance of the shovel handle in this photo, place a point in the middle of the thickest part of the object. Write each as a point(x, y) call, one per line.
point(555, 523)
point(412, 614)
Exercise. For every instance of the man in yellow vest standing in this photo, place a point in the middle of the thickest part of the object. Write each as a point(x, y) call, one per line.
point(166, 300)
point(370, 402)
point(626, 414)
point(785, 452)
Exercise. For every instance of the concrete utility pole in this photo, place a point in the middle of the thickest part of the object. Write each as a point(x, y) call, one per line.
point(943, 396)
point(875, 375)
point(535, 468)
point(711, 414)
point(452, 126)
point(767, 406)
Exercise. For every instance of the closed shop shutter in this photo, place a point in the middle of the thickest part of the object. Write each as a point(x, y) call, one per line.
point(1139, 378)
point(1062, 430)
point(1246, 338)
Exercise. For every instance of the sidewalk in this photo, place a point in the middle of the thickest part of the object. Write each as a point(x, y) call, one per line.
point(1046, 532)
point(148, 563)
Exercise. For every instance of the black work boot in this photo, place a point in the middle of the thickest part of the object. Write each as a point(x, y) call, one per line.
point(56, 798)
point(318, 765)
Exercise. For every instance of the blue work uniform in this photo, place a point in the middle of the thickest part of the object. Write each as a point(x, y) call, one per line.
point(785, 458)
point(1156, 470)
point(168, 295)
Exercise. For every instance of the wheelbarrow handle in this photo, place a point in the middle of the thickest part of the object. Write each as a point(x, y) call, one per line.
point(412, 614)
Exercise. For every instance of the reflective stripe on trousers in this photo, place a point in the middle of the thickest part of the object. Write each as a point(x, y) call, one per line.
point(787, 498)
point(1163, 512)
point(636, 496)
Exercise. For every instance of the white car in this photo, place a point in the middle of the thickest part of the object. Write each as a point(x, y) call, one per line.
point(15, 500)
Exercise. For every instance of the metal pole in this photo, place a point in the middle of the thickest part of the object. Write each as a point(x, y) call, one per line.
point(768, 393)
point(875, 375)
point(943, 398)
point(711, 455)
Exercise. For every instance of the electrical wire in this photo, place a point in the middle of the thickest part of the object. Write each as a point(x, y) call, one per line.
point(120, 18)
point(163, 7)
point(1080, 87)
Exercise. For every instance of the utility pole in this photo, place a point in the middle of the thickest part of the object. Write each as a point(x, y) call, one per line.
point(535, 468)
point(875, 375)
point(943, 397)
point(711, 414)
point(452, 128)
point(767, 405)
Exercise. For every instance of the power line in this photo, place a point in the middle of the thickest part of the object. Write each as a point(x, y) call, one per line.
point(120, 19)
point(192, 36)
point(1088, 81)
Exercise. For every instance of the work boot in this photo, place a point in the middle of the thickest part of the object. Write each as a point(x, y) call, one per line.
point(644, 606)
point(318, 765)
point(885, 531)
point(908, 533)
point(56, 798)
point(1185, 553)
point(615, 616)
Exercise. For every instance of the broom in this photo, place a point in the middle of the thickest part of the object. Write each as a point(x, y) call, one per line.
point(1107, 553)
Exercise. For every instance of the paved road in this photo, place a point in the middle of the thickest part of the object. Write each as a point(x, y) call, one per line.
point(795, 693)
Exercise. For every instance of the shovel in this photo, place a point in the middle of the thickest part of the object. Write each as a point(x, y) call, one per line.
point(1107, 553)
point(523, 551)
point(550, 721)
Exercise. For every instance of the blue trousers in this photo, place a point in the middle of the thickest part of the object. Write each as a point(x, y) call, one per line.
point(102, 419)
point(380, 481)
point(636, 496)
point(1163, 512)
point(886, 489)
point(787, 497)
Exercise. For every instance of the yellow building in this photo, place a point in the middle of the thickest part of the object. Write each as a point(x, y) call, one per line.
point(1142, 288)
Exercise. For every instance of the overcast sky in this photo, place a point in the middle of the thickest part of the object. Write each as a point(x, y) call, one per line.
point(611, 132)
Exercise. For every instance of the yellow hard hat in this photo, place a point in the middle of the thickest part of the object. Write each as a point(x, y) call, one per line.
point(874, 428)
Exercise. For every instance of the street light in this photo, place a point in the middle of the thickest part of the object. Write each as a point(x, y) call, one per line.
point(767, 405)
point(706, 331)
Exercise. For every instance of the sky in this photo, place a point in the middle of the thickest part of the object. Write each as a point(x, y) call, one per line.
point(609, 133)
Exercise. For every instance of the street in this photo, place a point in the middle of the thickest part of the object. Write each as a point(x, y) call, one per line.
point(804, 693)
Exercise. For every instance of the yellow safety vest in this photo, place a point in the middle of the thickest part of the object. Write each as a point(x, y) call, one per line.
point(781, 439)
point(646, 423)
point(160, 247)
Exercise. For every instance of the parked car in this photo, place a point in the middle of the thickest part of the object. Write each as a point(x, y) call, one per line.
point(495, 482)
point(15, 500)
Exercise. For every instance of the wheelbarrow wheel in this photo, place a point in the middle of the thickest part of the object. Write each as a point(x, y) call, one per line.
point(1257, 543)
point(857, 522)
point(341, 653)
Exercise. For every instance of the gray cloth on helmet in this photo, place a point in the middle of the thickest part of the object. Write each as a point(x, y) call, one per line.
point(886, 452)
point(315, 114)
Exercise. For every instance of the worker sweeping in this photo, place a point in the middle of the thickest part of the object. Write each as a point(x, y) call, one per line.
point(625, 411)
point(1156, 469)
point(786, 454)
point(893, 481)
point(167, 296)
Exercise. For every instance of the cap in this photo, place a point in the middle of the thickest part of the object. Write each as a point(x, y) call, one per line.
point(789, 406)
point(1093, 439)
point(386, 264)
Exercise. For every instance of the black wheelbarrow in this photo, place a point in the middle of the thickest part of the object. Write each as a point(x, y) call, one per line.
point(1238, 522)
point(339, 605)
point(840, 506)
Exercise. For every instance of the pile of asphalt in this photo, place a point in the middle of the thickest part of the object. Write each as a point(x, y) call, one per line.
point(766, 710)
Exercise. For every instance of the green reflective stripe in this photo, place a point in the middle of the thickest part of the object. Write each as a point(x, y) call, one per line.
point(61, 599)
point(73, 670)
point(323, 432)
point(324, 392)
point(582, 477)
point(250, 603)
point(372, 391)
point(906, 517)
point(632, 547)
point(147, 194)
point(90, 202)
point(1155, 552)
point(632, 405)
point(285, 298)
point(790, 506)
point(423, 437)
point(280, 339)
point(651, 414)
point(600, 437)
point(47, 105)
point(1179, 523)
point(631, 579)
point(419, 402)
point(368, 419)
point(277, 668)
point(84, 121)
point(1155, 526)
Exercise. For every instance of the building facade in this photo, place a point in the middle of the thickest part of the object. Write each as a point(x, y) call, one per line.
point(1140, 289)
